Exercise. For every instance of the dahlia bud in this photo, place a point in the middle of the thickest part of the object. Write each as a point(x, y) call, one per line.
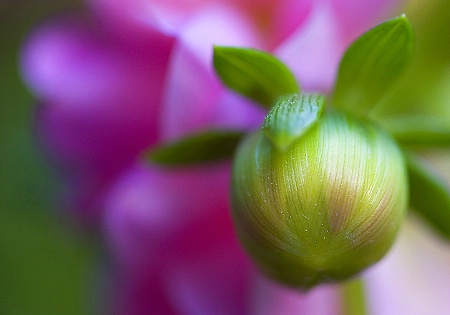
point(324, 205)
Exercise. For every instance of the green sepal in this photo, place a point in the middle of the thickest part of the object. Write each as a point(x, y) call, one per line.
point(254, 74)
point(429, 195)
point(199, 148)
point(419, 131)
point(372, 64)
point(291, 117)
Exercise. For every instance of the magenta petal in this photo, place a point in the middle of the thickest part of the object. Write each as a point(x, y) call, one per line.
point(286, 17)
point(236, 112)
point(140, 15)
point(214, 282)
point(193, 89)
point(140, 295)
point(134, 19)
point(171, 236)
point(101, 100)
point(88, 151)
point(67, 60)
point(275, 19)
point(152, 214)
point(271, 298)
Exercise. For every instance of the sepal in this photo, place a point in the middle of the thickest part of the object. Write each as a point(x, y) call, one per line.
point(255, 74)
point(291, 117)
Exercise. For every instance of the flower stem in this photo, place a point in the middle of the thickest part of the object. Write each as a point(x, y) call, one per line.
point(353, 298)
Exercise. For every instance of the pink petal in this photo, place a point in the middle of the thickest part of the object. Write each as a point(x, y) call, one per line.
point(271, 298)
point(69, 60)
point(172, 239)
point(101, 100)
point(357, 16)
point(314, 51)
point(140, 295)
point(276, 20)
point(141, 15)
point(234, 111)
point(288, 17)
point(152, 214)
point(214, 280)
point(217, 281)
point(193, 89)
point(414, 278)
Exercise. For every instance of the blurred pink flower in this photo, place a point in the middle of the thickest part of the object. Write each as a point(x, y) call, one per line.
point(100, 101)
point(414, 277)
point(138, 73)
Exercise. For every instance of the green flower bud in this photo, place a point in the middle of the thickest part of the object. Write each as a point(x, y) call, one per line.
point(324, 208)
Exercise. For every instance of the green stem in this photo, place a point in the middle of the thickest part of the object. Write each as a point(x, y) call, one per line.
point(353, 298)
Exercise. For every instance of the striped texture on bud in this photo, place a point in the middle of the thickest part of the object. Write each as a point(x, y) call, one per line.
point(324, 209)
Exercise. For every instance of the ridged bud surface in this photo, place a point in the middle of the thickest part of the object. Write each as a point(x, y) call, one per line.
point(325, 208)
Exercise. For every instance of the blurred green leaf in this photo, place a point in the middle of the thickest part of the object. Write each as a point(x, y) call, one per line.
point(291, 117)
point(425, 89)
point(429, 195)
point(372, 64)
point(254, 74)
point(44, 269)
point(419, 130)
point(205, 147)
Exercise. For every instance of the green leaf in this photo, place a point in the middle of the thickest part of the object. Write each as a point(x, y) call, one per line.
point(419, 131)
point(254, 74)
point(429, 195)
point(291, 117)
point(205, 147)
point(372, 64)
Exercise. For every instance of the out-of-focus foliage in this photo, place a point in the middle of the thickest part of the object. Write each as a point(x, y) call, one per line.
point(43, 268)
point(372, 65)
point(418, 111)
point(270, 78)
point(209, 146)
point(425, 87)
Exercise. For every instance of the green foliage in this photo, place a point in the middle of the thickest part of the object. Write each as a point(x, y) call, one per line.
point(372, 64)
point(43, 269)
point(205, 147)
point(291, 117)
point(429, 195)
point(419, 131)
point(254, 74)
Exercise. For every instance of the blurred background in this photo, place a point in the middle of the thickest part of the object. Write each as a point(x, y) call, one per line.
point(46, 267)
